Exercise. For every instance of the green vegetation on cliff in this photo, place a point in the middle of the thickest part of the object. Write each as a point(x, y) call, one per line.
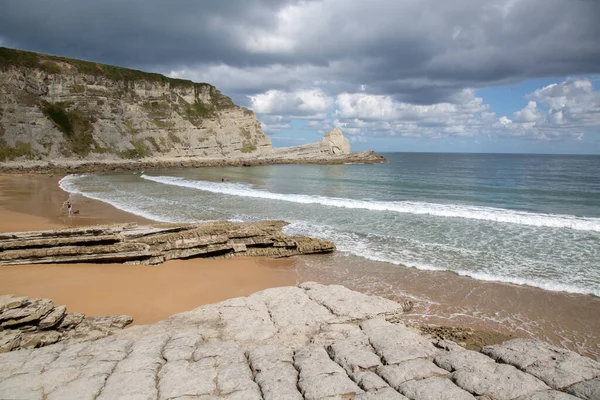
point(139, 150)
point(74, 124)
point(52, 64)
point(10, 153)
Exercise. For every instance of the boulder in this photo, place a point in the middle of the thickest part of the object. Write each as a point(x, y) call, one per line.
point(31, 311)
point(8, 301)
point(70, 321)
point(39, 339)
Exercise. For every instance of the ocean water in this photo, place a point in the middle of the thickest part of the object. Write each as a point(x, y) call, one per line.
point(525, 219)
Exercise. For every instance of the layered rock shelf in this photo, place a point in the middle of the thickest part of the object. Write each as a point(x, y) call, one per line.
point(151, 245)
point(29, 323)
point(305, 342)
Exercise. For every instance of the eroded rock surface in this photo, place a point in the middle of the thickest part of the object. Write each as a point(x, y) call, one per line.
point(29, 323)
point(334, 344)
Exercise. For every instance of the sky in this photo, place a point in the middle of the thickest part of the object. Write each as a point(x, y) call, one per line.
point(493, 76)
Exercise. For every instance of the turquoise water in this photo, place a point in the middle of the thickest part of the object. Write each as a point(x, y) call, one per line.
point(525, 219)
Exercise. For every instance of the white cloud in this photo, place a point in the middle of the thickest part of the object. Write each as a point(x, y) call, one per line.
point(529, 114)
point(556, 112)
point(571, 108)
point(384, 115)
point(308, 103)
point(274, 123)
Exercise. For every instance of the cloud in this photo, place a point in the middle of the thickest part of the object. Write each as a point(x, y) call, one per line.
point(529, 114)
point(274, 123)
point(382, 67)
point(571, 108)
point(566, 110)
point(309, 103)
point(421, 52)
point(382, 115)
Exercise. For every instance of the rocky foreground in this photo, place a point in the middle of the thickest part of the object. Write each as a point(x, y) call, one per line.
point(306, 342)
point(30, 323)
point(156, 244)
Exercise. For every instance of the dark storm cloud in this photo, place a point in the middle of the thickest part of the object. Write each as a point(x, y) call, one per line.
point(421, 52)
point(134, 32)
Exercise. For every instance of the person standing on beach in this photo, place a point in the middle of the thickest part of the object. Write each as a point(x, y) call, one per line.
point(69, 207)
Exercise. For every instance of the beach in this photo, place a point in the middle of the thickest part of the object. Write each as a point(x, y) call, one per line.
point(152, 293)
point(147, 293)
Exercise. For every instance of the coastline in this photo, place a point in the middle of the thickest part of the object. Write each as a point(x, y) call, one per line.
point(31, 202)
point(64, 167)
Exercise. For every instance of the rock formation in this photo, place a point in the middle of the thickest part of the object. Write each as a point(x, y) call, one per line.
point(71, 112)
point(307, 342)
point(155, 244)
point(333, 144)
point(29, 323)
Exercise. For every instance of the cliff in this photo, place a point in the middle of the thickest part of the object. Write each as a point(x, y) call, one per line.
point(69, 112)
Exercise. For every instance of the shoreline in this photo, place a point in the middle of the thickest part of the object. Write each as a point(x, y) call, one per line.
point(147, 293)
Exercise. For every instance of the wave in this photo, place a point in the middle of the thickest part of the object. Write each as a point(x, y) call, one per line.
point(69, 184)
point(409, 207)
point(350, 244)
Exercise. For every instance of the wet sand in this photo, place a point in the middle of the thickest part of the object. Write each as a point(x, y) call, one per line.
point(148, 293)
point(445, 298)
point(32, 202)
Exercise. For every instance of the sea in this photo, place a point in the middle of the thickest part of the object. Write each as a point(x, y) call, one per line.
point(441, 229)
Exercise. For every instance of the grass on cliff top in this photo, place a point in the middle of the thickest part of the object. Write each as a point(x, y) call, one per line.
point(27, 59)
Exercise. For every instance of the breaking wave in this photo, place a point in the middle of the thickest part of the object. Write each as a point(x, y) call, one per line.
point(410, 207)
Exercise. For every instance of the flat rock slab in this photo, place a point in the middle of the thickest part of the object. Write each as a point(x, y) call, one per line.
point(332, 343)
point(558, 368)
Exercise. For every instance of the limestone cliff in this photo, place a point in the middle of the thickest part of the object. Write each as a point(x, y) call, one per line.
point(55, 108)
point(67, 113)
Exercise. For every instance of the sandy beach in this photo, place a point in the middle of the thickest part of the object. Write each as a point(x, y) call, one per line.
point(147, 293)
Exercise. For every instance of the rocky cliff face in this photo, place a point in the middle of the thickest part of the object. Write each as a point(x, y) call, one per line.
point(54, 108)
point(60, 113)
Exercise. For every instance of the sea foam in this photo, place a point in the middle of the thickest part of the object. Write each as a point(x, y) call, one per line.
point(69, 184)
point(410, 207)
